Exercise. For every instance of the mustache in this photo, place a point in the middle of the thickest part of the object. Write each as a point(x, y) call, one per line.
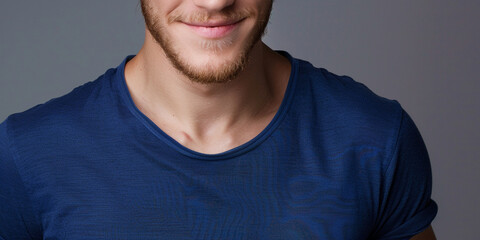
point(204, 17)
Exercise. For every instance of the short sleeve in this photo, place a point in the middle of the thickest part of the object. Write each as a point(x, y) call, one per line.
point(17, 220)
point(406, 206)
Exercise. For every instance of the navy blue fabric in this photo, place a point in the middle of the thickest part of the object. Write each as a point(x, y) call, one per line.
point(336, 162)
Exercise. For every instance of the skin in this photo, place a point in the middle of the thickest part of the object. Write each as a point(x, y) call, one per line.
point(428, 234)
point(209, 68)
point(207, 114)
point(210, 95)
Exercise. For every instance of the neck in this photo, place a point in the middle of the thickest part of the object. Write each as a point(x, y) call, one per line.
point(197, 111)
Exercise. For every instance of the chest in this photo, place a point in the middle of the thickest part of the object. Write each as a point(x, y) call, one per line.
point(258, 200)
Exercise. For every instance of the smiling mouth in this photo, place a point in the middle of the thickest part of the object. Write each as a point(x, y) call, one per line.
point(214, 30)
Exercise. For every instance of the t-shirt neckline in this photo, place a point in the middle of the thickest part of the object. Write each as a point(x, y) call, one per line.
point(120, 82)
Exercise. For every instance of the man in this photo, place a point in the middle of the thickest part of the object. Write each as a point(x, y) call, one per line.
point(209, 134)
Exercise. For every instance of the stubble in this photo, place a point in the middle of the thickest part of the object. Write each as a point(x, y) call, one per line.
point(227, 70)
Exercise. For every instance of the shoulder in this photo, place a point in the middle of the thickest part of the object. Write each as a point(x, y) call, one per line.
point(370, 139)
point(63, 110)
point(66, 107)
point(32, 144)
point(343, 115)
point(346, 103)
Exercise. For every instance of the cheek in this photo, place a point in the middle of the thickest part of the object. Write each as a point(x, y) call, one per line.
point(160, 9)
point(259, 5)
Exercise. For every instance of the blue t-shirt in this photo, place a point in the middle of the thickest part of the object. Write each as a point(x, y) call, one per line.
point(336, 162)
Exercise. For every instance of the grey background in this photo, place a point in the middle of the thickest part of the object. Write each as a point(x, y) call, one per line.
point(425, 54)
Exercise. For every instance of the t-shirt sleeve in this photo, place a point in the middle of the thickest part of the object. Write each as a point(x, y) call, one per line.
point(17, 220)
point(406, 206)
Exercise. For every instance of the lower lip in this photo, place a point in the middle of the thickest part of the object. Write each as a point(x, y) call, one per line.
point(213, 32)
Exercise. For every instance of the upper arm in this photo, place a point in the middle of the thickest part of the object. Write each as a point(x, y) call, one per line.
point(425, 235)
point(17, 220)
point(406, 207)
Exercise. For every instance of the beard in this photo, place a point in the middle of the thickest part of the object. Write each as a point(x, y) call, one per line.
point(226, 70)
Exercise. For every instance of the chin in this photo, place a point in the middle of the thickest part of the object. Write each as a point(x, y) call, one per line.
point(215, 70)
